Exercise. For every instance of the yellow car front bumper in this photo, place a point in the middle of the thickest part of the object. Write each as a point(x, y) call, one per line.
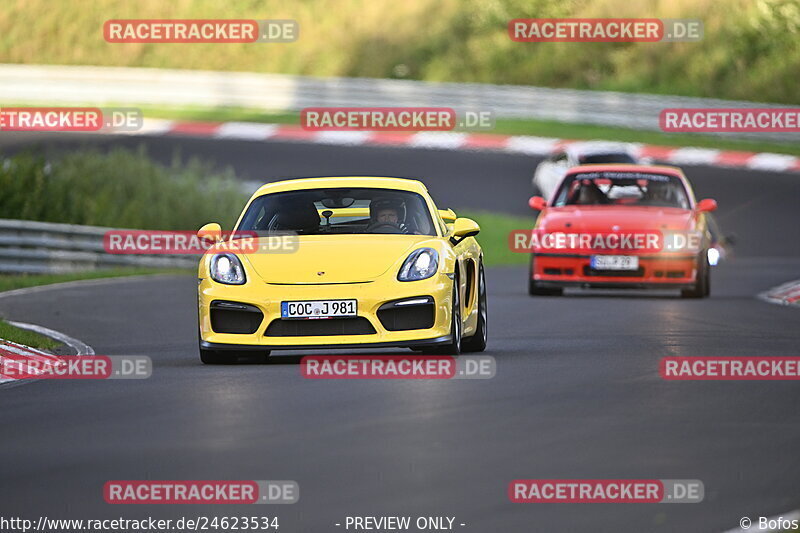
point(258, 296)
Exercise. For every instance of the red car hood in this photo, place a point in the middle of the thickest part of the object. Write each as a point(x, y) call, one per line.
point(575, 218)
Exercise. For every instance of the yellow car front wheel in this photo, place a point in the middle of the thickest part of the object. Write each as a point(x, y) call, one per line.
point(477, 342)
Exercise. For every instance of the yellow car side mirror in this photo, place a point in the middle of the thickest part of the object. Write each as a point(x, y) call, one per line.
point(463, 228)
point(211, 231)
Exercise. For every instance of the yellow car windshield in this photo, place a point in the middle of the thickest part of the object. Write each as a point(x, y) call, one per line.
point(340, 211)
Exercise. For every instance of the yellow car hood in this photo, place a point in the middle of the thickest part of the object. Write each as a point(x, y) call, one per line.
point(334, 258)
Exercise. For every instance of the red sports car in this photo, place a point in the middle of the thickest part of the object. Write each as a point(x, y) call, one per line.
point(621, 226)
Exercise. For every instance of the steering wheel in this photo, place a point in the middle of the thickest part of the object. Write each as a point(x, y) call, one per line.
point(384, 227)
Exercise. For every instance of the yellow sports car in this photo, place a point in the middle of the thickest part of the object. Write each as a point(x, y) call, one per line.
point(365, 262)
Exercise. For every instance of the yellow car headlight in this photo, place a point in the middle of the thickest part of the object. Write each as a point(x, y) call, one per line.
point(420, 264)
point(226, 268)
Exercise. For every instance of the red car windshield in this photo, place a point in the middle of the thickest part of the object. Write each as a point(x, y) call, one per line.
point(622, 189)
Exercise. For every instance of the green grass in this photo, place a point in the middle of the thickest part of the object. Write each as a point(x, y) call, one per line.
point(493, 237)
point(220, 114)
point(749, 50)
point(23, 336)
point(540, 128)
point(122, 188)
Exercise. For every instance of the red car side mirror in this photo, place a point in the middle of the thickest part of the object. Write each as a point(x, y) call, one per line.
point(706, 206)
point(537, 202)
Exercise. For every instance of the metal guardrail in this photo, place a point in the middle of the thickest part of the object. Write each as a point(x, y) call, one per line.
point(100, 86)
point(44, 247)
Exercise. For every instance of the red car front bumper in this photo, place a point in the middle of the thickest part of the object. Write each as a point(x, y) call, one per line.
point(575, 270)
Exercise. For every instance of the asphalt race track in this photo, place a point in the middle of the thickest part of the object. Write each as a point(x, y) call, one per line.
point(577, 392)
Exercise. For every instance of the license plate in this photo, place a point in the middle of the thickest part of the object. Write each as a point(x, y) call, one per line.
point(615, 262)
point(319, 309)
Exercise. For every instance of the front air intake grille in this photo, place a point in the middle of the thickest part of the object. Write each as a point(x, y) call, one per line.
point(234, 317)
point(638, 273)
point(401, 318)
point(319, 327)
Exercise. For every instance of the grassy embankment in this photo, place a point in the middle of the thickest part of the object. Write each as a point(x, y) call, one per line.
point(749, 50)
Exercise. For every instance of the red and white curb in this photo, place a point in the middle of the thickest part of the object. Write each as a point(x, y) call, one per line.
point(19, 353)
point(11, 351)
point(516, 144)
point(786, 294)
